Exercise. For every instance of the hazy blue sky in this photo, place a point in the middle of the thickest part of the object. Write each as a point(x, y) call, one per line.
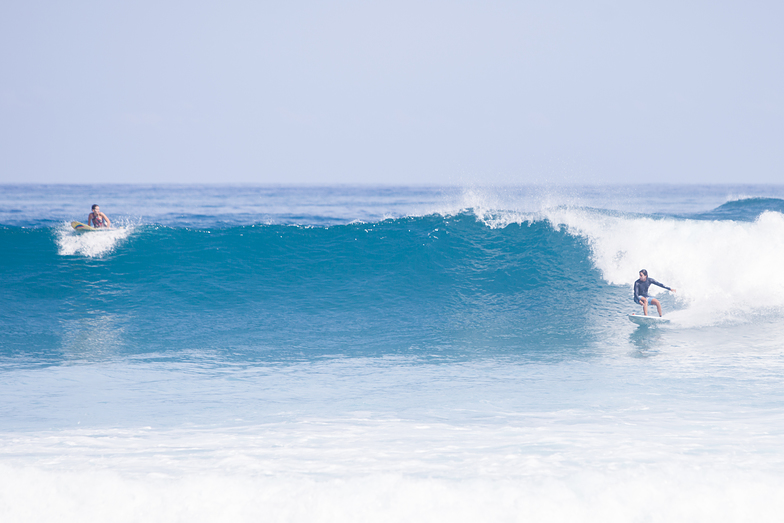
point(391, 92)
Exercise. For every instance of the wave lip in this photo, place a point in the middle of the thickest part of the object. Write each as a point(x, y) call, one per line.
point(746, 209)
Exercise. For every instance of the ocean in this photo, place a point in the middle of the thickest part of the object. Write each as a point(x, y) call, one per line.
point(351, 353)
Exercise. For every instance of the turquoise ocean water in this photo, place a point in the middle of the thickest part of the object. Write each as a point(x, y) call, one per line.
point(344, 353)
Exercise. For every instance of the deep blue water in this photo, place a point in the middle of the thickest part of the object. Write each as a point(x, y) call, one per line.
point(444, 284)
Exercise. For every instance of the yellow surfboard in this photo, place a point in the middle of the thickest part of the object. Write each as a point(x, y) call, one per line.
point(80, 227)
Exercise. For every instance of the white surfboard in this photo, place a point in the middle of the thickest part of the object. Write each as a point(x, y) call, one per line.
point(639, 319)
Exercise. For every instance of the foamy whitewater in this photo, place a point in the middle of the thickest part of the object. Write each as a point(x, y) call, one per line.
point(245, 353)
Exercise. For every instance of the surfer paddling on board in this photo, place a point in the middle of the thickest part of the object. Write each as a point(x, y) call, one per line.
point(641, 292)
point(98, 219)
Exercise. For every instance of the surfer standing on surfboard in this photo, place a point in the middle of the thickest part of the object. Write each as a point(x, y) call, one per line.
point(641, 292)
point(98, 219)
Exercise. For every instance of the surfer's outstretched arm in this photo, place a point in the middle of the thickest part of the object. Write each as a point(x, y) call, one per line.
point(654, 282)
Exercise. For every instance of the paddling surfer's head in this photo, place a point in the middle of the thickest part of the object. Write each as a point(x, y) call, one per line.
point(643, 275)
point(95, 205)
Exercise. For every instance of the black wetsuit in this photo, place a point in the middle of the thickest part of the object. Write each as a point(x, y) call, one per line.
point(641, 288)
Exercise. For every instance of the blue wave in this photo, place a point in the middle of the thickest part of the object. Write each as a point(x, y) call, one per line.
point(425, 283)
point(434, 286)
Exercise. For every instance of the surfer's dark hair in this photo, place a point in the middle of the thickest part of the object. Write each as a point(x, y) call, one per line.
point(94, 206)
point(643, 271)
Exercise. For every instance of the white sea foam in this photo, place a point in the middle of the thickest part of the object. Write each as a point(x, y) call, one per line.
point(723, 270)
point(393, 471)
point(90, 244)
point(686, 495)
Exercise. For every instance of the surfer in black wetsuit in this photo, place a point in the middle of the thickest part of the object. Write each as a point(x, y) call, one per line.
point(98, 219)
point(641, 292)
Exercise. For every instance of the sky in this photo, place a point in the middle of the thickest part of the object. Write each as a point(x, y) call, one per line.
point(391, 92)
